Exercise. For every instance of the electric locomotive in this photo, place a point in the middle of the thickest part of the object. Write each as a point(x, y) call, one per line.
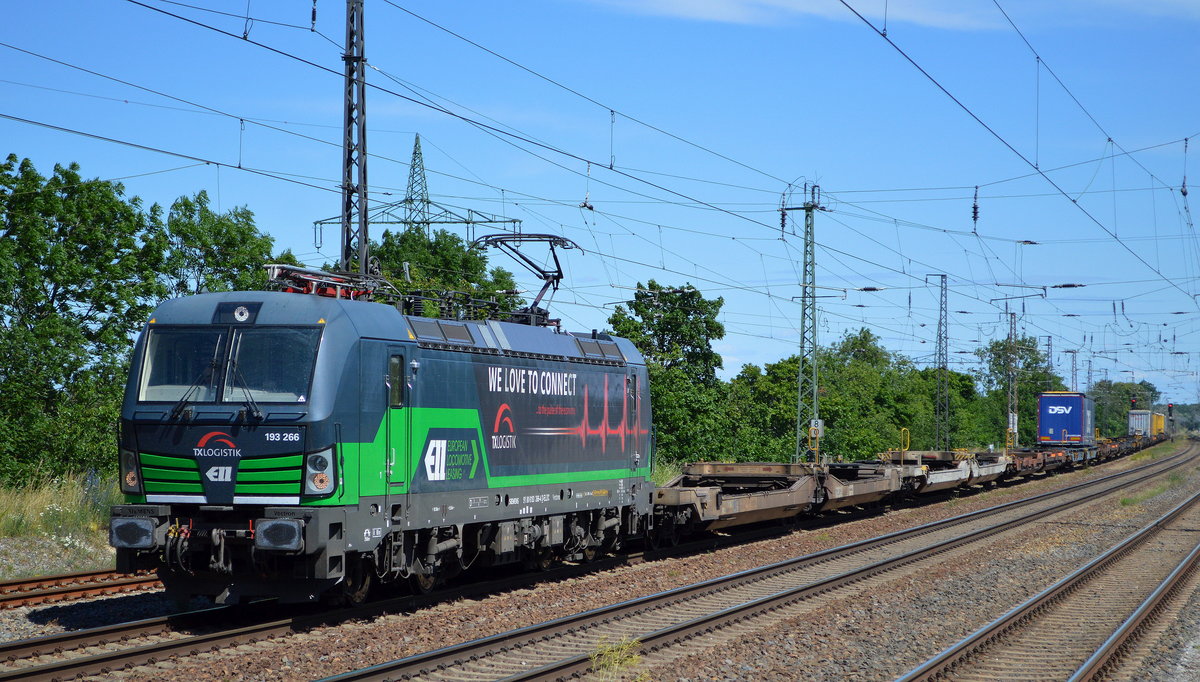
point(276, 444)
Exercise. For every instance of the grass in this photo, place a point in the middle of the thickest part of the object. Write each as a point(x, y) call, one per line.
point(61, 525)
point(1161, 450)
point(611, 659)
point(665, 471)
point(1174, 480)
point(71, 503)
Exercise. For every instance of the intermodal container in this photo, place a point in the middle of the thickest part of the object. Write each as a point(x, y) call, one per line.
point(1139, 422)
point(1066, 418)
point(1158, 424)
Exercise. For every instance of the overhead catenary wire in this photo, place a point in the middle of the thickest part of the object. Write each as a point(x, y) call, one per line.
point(1014, 150)
point(658, 221)
point(583, 96)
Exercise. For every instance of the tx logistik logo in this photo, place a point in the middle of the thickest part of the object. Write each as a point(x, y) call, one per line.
point(202, 449)
point(504, 418)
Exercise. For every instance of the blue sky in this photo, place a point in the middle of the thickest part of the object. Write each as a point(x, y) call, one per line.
point(744, 97)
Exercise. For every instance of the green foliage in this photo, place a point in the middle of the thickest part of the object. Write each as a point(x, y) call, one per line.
point(1173, 481)
point(83, 266)
point(611, 658)
point(674, 328)
point(866, 395)
point(80, 264)
point(47, 507)
point(1033, 377)
point(440, 261)
point(1113, 405)
point(1187, 417)
point(64, 520)
point(212, 251)
point(761, 411)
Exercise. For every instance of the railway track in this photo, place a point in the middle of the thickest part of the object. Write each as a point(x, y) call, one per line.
point(653, 624)
point(1077, 627)
point(71, 586)
point(100, 651)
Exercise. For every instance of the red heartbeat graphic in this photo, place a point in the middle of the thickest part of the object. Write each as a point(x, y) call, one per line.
point(603, 430)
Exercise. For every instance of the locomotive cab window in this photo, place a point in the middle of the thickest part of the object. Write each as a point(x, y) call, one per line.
point(213, 364)
point(182, 360)
point(271, 364)
point(396, 381)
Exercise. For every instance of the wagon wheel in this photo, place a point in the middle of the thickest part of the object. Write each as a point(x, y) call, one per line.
point(665, 535)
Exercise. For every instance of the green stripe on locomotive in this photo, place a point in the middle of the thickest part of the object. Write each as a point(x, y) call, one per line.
point(365, 464)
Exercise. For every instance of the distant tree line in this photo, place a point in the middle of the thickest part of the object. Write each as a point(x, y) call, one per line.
point(866, 393)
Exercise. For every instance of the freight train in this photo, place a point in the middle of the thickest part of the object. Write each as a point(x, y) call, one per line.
point(304, 444)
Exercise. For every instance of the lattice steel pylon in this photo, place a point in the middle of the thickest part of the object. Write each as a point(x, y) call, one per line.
point(416, 199)
point(807, 402)
point(941, 419)
point(417, 211)
point(1012, 437)
point(355, 242)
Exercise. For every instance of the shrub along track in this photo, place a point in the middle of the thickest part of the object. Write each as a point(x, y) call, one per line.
point(566, 647)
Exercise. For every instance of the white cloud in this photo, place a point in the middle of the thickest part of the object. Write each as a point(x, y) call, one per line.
point(938, 13)
point(945, 14)
point(1183, 9)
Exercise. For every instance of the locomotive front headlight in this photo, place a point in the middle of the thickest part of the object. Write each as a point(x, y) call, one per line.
point(318, 473)
point(131, 476)
point(281, 534)
point(131, 533)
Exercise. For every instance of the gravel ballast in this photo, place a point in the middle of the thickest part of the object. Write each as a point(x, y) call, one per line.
point(883, 630)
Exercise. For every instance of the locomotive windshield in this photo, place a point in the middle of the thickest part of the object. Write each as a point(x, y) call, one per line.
point(217, 364)
point(182, 359)
point(272, 364)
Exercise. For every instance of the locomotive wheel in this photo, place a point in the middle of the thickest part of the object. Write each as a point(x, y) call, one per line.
point(590, 553)
point(422, 583)
point(544, 560)
point(359, 581)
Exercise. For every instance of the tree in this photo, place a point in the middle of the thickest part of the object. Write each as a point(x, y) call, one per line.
point(674, 329)
point(442, 262)
point(212, 251)
point(761, 411)
point(866, 395)
point(1033, 377)
point(80, 264)
point(1113, 403)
